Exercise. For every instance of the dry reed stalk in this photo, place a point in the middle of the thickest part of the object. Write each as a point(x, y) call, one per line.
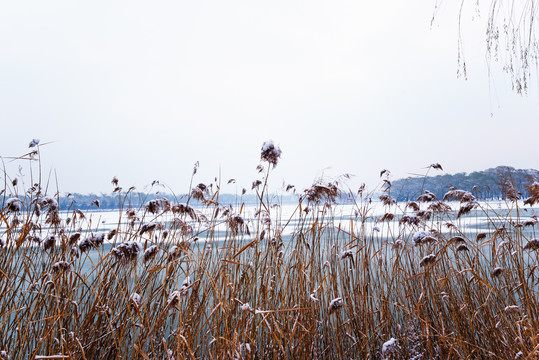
point(248, 290)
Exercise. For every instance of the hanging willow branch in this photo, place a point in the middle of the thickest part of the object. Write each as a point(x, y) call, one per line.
point(511, 38)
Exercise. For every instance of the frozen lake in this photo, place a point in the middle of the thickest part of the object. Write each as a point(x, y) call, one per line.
point(284, 219)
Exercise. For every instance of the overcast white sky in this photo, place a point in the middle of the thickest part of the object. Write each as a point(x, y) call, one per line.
point(144, 89)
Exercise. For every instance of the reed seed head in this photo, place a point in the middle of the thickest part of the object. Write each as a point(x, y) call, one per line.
point(496, 272)
point(427, 196)
point(533, 191)
point(173, 253)
point(533, 244)
point(462, 247)
point(128, 251)
point(13, 205)
point(436, 166)
point(410, 220)
point(181, 209)
point(270, 153)
point(73, 238)
point(61, 266)
point(236, 224)
point(480, 237)
point(429, 259)
point(255, 184)
point(135, 298)
point(459, 195)
point(149, 253)
point(387, 217)
point(49, 242)
point(390, 349)
point(174, 299)
point(33, 143)
point(423, 237)
point(319, 192)
point(112, 234)
point(387, 200)
point(91, 242)
point(439, 207)
point(398, 244)
point(335, 304)
point(199, 191)
point(466, 208)
point(147, 228)
point(457, 240)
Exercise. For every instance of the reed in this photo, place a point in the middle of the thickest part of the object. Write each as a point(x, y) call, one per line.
point(176, 281)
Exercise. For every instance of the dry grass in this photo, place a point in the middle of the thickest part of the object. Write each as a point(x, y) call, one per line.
point(334, 289)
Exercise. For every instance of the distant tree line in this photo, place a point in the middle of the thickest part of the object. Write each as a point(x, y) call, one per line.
point(107, 201)
point(138, 199)
point(485, 185)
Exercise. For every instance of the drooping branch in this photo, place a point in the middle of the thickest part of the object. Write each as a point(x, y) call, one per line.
point(511, 38)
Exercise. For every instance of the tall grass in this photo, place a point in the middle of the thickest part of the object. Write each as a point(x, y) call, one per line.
point(174, 281)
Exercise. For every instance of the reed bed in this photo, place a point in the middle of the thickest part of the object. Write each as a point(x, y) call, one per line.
point(177, 281)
